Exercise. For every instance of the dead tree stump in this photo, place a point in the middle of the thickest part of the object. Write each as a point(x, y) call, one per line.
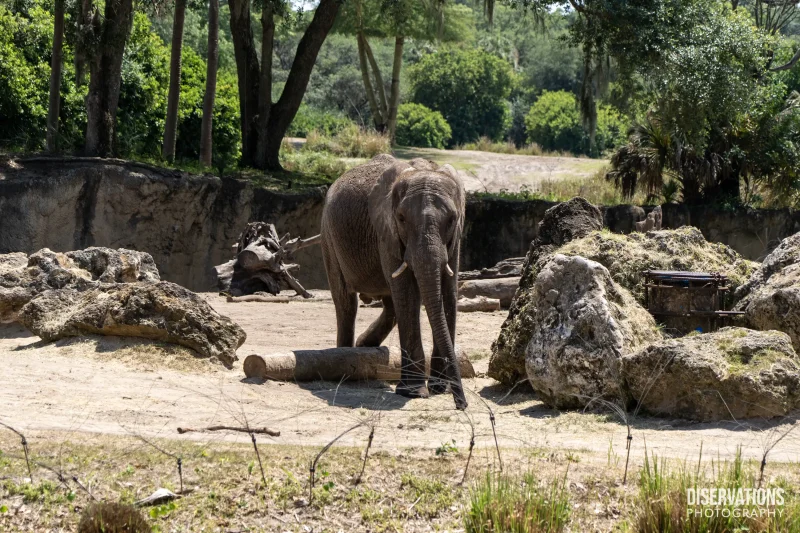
point(262, 262)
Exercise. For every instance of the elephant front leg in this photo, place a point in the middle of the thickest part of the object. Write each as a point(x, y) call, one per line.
point(412, 372)
point(439, 379)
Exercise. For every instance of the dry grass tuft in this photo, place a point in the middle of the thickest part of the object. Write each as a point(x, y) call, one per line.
point(112, 518)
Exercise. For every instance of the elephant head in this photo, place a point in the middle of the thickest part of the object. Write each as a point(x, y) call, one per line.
point(418, 210)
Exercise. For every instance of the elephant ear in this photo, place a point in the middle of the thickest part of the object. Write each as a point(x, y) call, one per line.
point(383, 199)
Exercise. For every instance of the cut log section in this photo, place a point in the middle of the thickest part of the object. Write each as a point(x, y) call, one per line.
point(335, 364)
point(261, 262)
point(502, 289)
point(479, 303)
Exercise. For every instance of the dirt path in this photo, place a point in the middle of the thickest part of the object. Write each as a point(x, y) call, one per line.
point(120, 386)
point(491, 172)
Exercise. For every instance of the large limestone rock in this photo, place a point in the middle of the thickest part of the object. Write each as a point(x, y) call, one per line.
point(161, 311)
point(110, 292)
point(731, 373)
point(583, 323)
point(560, 224)
point(771, 297)
point(22, 278)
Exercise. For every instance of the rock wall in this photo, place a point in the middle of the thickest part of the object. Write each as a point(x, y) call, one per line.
point(188, 222)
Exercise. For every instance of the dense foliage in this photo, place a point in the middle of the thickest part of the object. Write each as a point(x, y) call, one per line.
point(468, 87)
point(682, 92)
point(419, 126)
point(554, 123)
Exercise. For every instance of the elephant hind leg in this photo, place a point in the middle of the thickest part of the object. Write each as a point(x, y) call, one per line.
point(380, 329)
point(345, 301)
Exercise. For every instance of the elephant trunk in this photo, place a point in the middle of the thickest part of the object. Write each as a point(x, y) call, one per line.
point(429, 272)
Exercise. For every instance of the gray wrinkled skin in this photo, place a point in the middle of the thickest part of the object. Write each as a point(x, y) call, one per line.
point(378, 217)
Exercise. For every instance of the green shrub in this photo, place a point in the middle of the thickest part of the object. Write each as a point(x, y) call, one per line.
point(310, 119)
point(554, 122)
point(468, 87)
point(419, 126)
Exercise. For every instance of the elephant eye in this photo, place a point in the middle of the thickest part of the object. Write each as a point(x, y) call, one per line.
point(401, 218)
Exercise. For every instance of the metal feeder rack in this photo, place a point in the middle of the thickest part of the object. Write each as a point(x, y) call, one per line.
point(687, 295)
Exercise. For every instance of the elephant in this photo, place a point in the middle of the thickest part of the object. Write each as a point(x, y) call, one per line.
point(391, 230)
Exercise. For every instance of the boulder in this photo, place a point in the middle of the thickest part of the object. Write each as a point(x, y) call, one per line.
point(161, 311)
point(729, 374)
point(560, 224)
point(626, 257)
point(582, 325)
point(21, 281)
point(771, 297)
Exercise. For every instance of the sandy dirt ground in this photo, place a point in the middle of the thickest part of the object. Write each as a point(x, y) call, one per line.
point(490, 172)
point(128, 387)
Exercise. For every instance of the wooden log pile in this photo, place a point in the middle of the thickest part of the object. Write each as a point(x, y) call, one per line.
point(489, 289)
point(262, 262)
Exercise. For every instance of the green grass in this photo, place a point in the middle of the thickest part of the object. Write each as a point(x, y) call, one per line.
point(504, 504)
point(662, 505)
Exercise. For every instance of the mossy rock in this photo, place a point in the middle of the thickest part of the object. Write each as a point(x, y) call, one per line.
point(626, 257)
point(730, 374)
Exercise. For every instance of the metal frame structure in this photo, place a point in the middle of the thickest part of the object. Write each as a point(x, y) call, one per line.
point(712, 284)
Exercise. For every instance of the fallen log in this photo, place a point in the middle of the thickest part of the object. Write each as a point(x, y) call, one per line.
point(502, 289)
point(262, 262)
point(260, 431)
point(479, 303)
point(334, 364)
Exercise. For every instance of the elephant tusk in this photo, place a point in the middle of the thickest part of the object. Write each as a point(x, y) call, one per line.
point(448, 270)
point(400, 270)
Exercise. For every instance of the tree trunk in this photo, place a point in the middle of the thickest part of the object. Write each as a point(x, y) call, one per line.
point(105, 68)
point(248, 75)
point(380, 86)
point(83, 24)
point(394, 98)
point(54, 105)
point(206, 127)
point(284, 110)
point(377, 116)
point(265, 84)
point(174, 96)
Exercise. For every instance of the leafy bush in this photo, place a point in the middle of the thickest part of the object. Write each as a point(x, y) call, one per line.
point(419, 126)
point(554, 122)
point(468, 87)
point(309, 119)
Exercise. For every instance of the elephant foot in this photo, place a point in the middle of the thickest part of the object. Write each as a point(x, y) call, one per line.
point(412, 391)
point(437, 386)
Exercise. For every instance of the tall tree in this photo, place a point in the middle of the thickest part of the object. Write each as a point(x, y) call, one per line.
point(264, 122)
point(425, 20)
point(174, 96)
point(54, 105)
point(206, 129)
point(104, 39)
